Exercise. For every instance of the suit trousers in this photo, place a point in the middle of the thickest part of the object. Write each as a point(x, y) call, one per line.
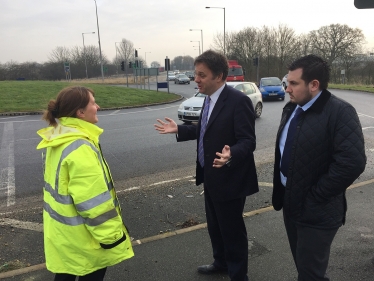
point(97, 275)
point(228, 235)
point(310, 249)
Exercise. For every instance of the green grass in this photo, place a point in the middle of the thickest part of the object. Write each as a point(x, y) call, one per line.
point(26, 96)
point(355, 87)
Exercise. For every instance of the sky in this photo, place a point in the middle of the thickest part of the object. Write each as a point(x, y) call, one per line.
point(30, 30)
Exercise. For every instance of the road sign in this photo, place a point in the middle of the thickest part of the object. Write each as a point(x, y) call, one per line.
point(67, 66)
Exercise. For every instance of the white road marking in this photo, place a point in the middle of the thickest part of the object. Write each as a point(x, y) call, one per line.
point(22, 224)
point(367, 128)
point(114, 112)
point(7, 179)
point(361, 114)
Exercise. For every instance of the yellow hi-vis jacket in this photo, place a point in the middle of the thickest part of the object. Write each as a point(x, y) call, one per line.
point(83, 228)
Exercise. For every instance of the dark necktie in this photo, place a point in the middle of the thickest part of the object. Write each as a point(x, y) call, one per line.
point(285, 162)
point(204, 122)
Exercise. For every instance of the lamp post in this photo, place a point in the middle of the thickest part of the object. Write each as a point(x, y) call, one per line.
point(199, 46)
point(98, 35)
point(224, 35)
point(84, 51)
point(145, 57)
point(115, 45)
point(202, 44)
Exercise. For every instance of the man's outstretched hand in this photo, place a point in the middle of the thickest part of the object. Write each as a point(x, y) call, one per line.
point(169, 127)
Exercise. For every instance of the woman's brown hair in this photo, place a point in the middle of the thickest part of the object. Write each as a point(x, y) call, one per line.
point(68, 101)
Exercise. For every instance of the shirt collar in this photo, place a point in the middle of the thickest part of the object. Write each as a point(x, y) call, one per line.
point(214, 97)
point(310, 103)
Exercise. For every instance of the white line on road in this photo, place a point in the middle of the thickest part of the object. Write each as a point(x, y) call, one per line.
point(22, 224)
point(361, 114)
point(7, 179)
point(367, 128)
point(114, 112)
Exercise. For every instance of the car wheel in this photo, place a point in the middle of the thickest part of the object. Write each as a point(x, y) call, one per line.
point(187, 122)
point(175, 82)
point(282, 98)
point(188, 83)
point(258, 110)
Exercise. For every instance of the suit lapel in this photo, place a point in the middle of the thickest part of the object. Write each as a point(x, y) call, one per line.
point(218, 106)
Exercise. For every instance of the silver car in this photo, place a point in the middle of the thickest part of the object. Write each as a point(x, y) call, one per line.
point(251, 90)
point(171, 76)
point(181, 79)
point(285, 82)
point(189, 110)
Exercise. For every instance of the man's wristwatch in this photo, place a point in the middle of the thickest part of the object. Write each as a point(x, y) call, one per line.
point(228, 163)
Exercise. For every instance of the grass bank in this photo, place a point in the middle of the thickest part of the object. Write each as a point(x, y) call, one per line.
point(27, 96)
point(355, 87)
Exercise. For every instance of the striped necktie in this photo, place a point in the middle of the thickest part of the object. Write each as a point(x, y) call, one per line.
point(204, 122)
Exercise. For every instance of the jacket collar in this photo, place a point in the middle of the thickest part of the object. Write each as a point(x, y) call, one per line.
point(317, 106)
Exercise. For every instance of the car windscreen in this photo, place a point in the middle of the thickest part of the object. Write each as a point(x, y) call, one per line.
point(182, 76)
point(235, 71)
point(271, 82)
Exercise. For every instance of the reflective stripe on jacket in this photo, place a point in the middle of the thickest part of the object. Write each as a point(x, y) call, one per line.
point(83, 228)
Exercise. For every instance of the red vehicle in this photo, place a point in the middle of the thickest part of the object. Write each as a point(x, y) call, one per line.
point(235, 72)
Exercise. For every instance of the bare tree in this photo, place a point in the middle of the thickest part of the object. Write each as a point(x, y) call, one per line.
point(286, 45)
point(125, 52)
point(59, 54)
point(246, 46)
point(269, 36)
point(335, 41)
point(155, 64)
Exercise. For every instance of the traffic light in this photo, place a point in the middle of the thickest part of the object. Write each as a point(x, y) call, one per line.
point(123, 65)
point(136, 53)
point(255, 61)
point(364, 4)
point(130, 64)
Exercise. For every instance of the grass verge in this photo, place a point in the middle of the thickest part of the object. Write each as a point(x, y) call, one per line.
point(355, 87)
point(31, 96)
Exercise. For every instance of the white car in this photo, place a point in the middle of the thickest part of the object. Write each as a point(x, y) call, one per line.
point(285, 82)
point(171, 76)
point(189, 110)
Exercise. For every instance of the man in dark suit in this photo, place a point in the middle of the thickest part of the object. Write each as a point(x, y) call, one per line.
point(319, 152)
point(226, 140)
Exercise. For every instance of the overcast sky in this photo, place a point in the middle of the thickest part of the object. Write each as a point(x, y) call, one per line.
point(30, 30)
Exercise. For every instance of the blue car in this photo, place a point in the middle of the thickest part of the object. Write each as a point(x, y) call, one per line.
point(271, 88)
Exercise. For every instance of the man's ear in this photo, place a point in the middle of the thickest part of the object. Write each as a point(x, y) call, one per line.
point(314, 85)
point(80, 113)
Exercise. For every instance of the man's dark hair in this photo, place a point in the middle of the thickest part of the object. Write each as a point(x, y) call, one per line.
point(314, 68)
point(216, 62)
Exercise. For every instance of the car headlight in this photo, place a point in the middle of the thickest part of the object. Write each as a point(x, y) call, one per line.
point(181, 106)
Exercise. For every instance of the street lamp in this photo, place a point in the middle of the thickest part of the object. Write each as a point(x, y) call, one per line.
point(98, 35)
point(84, 51)
point(145, 57)
point(115, 45)
point(224, 41)
point(202, 45)
point(196, 46)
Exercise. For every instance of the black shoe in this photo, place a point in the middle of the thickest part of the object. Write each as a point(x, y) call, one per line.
point(210, 269)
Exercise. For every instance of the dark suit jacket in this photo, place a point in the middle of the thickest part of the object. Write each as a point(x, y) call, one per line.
point(232, 122)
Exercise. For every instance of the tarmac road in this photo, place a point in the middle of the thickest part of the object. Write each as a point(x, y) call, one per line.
point(159, 197)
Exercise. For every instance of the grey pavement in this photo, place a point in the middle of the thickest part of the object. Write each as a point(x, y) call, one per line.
point(177, 257)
